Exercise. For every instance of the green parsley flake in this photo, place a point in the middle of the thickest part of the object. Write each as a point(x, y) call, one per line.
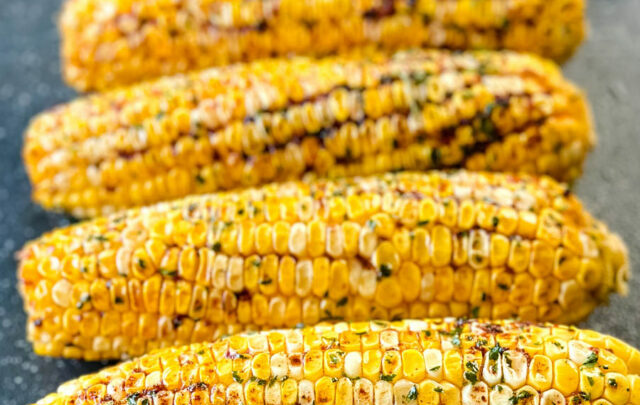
point(412, 395)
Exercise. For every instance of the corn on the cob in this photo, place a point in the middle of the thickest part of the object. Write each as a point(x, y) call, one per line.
point(276, 120)
point(385, 247)
point(410, 362)
point(106, 43)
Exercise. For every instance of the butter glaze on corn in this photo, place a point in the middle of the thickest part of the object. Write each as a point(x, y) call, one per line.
point(385, 247)
point(106, 43)
point(406, 362)
point(276, 120)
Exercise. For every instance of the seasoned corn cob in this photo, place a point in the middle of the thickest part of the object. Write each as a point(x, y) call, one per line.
point(406, 362)
point(386, 247)
point(275, 120)
point(106, 43)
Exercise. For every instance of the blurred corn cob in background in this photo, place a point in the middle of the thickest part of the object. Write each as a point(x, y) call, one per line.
point(406, 362)
point(384, 247)
point(275, 120)
point(106, 43)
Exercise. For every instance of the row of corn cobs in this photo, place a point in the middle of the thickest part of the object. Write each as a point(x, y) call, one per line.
point(347, 232)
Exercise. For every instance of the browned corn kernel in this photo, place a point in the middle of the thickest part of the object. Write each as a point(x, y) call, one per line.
point(389, 246)
point(429, 362)
point(279, 119)
point(106, 43)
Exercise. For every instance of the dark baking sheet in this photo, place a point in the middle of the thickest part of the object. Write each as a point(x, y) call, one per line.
point(607, 66)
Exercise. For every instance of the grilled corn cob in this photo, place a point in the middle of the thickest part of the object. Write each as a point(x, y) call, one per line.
point(106, 43)
point(275, 120)
point(406, 362)
point(385, 247)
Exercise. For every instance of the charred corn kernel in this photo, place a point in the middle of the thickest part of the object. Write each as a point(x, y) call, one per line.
point(249, 368)
point(195, 296)
point(65, 144)
point(98, 50)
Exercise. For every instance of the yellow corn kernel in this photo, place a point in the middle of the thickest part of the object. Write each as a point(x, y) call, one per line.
point(616, 388)
point(566, 376)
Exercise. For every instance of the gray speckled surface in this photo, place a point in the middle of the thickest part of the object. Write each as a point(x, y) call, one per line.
point(607, 66)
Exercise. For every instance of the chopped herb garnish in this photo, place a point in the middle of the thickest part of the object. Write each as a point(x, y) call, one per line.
point(385, 270)
point(83, 300)
point(438, 389)
point(455, 336)
point(612, 382)
point(330, 316)
point(423, 223)
point(581, 397)
point(217, 246)
point(508, 359)
point(236, 377)
point(200, 179)
point(471, 377)
point(387, 377)
point(168, 273)
point(503, 286)
point(266, 281)
point(412, 395)
point(342, 302)
point(519, 397)
point(494, 353)
point(436, 156)
point(142, 263)
point(591, 360)
point(472, 374)
point(436, 368)
point(328, 342)
point(133, 398)
point(495, 221)
point(456, 340)
point(475, 312)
